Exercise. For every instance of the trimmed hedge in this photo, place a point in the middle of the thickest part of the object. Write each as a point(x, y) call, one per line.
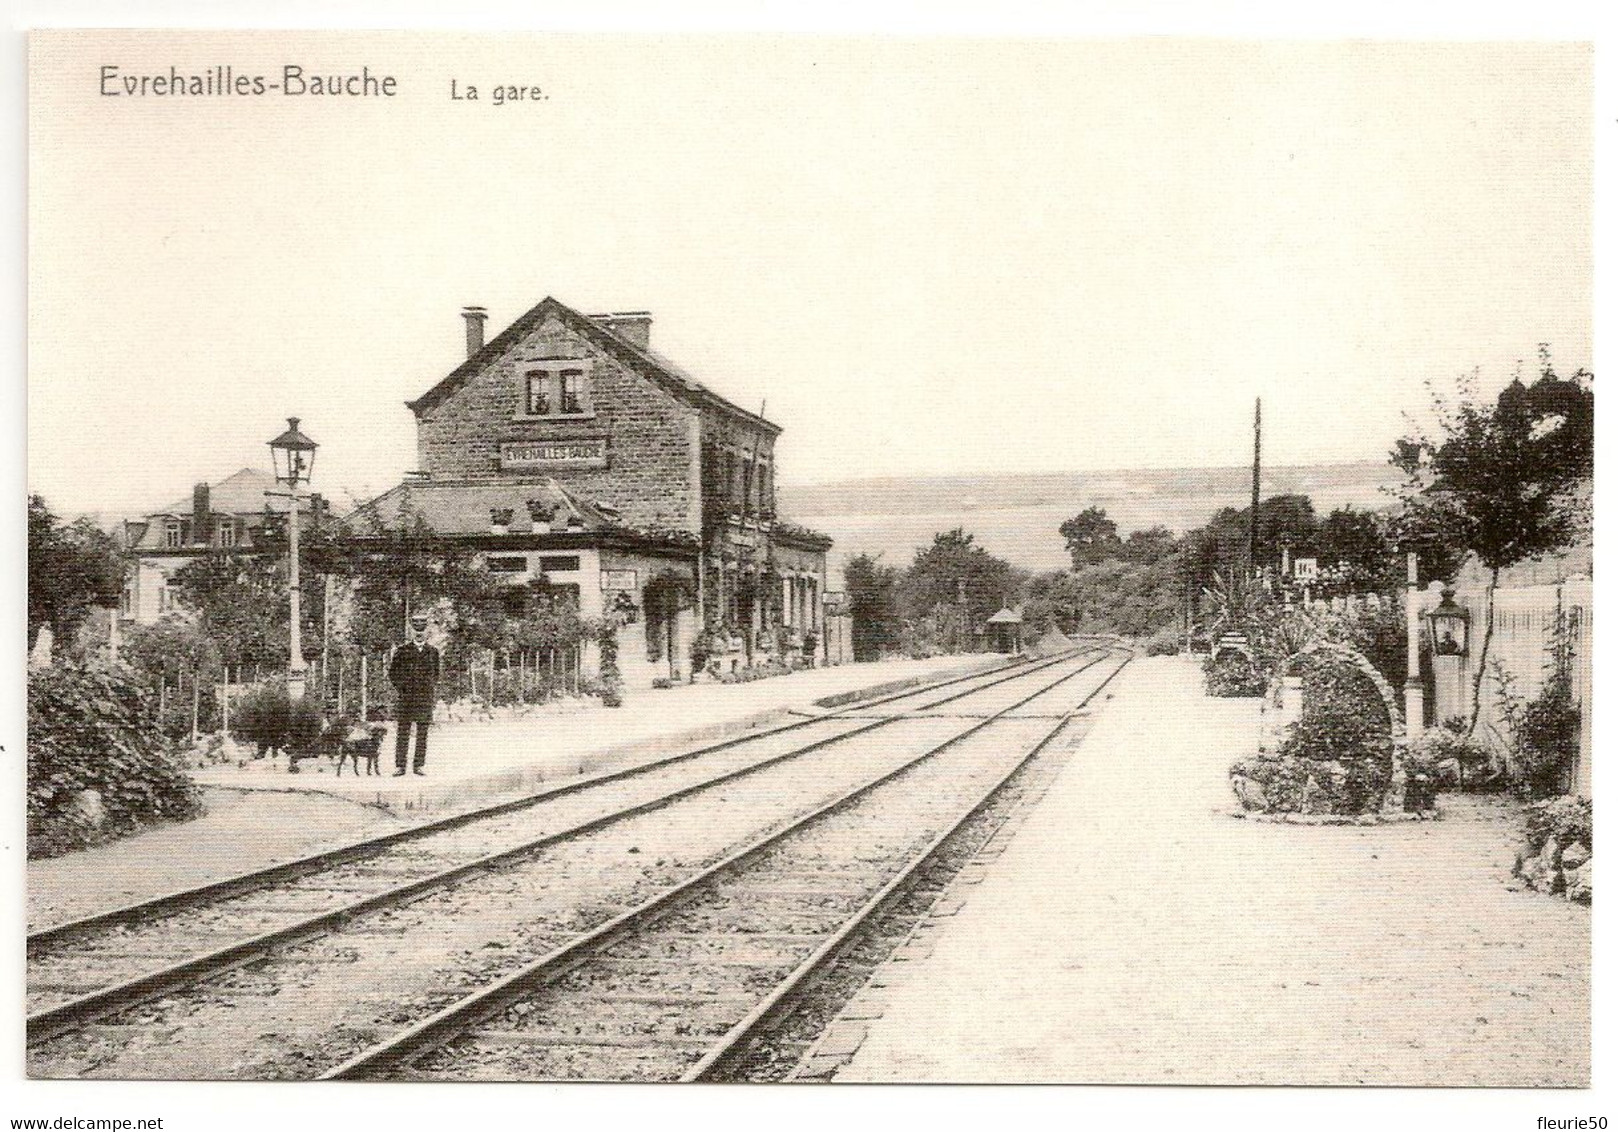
point(92, 728)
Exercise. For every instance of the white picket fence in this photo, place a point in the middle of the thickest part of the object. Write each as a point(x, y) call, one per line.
point(1524, 617)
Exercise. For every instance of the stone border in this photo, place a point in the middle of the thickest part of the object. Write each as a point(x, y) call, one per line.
point(1336, 819)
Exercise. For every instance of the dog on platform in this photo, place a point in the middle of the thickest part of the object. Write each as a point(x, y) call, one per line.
point(363, 741)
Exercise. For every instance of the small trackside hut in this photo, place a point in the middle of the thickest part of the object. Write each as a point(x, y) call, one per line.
point(578, 462)
point(1005, 632)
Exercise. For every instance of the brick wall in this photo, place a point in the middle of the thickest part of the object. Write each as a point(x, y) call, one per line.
point(651, 435)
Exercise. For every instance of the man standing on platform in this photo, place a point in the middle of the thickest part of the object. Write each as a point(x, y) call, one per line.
point(414, 673)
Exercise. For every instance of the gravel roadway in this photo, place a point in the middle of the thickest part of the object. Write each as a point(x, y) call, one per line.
point(1133, 932)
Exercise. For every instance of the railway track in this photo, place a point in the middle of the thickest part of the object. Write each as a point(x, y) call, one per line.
point(691, 983)
point(154, 950)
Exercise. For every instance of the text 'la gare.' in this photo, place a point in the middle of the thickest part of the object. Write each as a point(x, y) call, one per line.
point(498, 95)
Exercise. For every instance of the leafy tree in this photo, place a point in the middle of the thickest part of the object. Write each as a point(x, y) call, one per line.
point(873, 595)
point(957, 573)
point(397, 570)
point(70, 569)
point(241, 603)
point(1360, 540)
point(1506, 480)
point(1221, 546)
point(171, 647)
point(1091, 537)
point(1108, 597)
point(1151, 545)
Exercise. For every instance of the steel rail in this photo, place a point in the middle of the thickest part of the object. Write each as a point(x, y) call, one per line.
point(54, 1021)
point(442, 1026)
point(731, 1048)
point(242, 883)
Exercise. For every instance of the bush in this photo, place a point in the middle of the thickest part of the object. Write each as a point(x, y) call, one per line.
point(1299, 785)
point(1232, 674)
point(1421, 783)
point(1164, 642)
point(1323, 738)
point(1569, 820)
point(1450, 741)
point(612, 681)
point(259, 716)
point(267, 717)
point(1547, 740)
point(92, 728)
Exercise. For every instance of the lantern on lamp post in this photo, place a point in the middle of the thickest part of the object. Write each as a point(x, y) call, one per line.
point(1447, 626)
point(294, 456)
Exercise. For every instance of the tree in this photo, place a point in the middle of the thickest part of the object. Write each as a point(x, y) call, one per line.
point(1091, 537)
point(70, 569)
point(873, 595)
point(956, 574)
point(240, 602)
point(1115, 596)
point(1221, 546)
point(1358, 540)
point(1152, 545)
point(169, 648)
point(1508, 480)
point(396, 570)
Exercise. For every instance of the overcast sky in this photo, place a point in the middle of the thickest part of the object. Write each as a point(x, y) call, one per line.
point(928, 257)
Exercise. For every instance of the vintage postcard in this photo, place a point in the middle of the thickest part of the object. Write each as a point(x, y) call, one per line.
point(802, 559)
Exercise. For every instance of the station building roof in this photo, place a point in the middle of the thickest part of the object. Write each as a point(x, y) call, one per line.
point(644, 360)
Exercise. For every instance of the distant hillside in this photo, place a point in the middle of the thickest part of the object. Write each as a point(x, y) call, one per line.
point(1016, 517)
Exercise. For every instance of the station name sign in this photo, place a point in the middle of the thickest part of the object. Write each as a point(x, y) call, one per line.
point(591, 452)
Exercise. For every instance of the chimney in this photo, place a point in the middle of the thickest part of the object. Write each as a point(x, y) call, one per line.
point(199, 514)
point(475, 317)
point(635, 327)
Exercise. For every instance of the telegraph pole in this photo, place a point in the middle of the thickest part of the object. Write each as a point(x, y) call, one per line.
point(1252, 514)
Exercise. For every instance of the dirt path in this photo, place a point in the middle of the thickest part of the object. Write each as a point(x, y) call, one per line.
point(1133, 932)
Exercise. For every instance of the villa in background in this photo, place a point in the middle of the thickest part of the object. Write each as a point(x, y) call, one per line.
point(235, 513)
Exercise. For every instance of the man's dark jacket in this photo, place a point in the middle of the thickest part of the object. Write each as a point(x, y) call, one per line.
point(413, 673)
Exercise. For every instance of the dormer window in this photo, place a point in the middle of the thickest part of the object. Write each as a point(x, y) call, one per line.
point(556, 389)
point(227, 532)
point(173, 533)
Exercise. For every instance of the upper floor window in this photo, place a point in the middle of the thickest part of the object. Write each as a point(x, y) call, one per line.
point(174, 533)
point(227, 532)
point(572, 391)
point(559, 389)
point(539, 394)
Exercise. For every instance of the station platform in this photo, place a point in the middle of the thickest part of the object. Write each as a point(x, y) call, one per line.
point(259, 815)
point(1131, 930)
point(474, 759)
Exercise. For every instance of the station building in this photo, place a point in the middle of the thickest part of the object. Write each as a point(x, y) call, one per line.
point(580, 463)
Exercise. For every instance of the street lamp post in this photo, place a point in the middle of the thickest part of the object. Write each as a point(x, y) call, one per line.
point(294, 457)
point(1414, 707)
